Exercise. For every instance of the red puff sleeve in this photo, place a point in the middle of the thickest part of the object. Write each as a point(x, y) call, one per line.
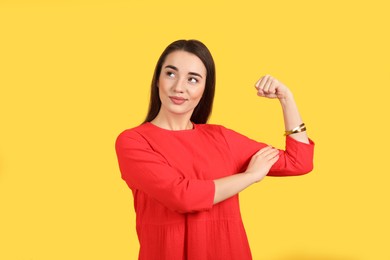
point(146, 170)
point(296, 159)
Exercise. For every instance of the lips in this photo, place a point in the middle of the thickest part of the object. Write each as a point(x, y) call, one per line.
point(178, 100)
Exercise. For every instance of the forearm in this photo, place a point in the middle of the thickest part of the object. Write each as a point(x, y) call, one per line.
point(292, 118)
point(231, 185)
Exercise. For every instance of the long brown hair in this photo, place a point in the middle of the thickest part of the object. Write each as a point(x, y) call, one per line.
point(203, 110)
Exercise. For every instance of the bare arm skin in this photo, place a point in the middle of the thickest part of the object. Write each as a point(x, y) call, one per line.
point(263, 160)
point(270, 87)
point(257, 169)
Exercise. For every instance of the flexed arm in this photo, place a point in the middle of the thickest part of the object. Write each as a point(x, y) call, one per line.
point(294, 163)
point(144, 169)
point(269, 87)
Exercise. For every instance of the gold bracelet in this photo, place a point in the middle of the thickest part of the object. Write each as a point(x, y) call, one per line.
point(298, 129)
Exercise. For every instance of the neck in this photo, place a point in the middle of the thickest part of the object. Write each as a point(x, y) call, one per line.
point(176, 123)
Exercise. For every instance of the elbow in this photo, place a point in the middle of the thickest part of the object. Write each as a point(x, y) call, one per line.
point(193, 196)
point(301, 165)
point(183, 208)
point(304, 168)
point(188, 203)
point(299, 158)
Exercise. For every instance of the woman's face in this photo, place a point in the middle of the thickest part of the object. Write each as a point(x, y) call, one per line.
point(181, 83)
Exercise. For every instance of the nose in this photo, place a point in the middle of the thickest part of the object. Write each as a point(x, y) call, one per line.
point(179, 86)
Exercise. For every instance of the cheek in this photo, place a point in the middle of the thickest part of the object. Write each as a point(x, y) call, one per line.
point(198, 93)
point(162, 86)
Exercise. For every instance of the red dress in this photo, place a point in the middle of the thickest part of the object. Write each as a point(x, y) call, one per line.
point(171, 176)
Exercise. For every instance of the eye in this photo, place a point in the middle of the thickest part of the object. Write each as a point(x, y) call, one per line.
point(193, 80)
point(170, 74)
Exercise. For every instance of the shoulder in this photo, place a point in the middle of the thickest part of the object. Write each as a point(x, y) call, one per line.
point(217, 128)
point(135, 134)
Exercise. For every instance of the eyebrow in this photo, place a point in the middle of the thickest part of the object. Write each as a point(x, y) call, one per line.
point(176, 69)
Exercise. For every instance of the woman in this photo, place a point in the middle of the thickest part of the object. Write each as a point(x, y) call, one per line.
point(185, 175)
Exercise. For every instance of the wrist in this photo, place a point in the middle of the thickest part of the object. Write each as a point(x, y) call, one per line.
point(287, 99)
point(252, 177)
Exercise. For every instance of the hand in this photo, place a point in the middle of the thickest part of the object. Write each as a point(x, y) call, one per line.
point(262, 162)
point(269, 87)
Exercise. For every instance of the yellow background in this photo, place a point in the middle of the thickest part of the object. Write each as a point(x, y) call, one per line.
point(74, 74)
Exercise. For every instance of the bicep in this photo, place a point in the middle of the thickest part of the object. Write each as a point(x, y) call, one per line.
point(296, 159)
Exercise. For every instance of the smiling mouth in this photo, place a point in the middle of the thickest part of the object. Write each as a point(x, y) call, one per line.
point(178, 100)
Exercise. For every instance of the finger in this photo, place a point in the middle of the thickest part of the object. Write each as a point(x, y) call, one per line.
point(274, 159)
point(273, 86)
point(260, 85)
point(268, 152)
point(271, 154)
point(263, 150)
point(263, 80)
point(272, 91)
point(257, 83)
point(276, 153)
point(260, 93)
point(268, 84)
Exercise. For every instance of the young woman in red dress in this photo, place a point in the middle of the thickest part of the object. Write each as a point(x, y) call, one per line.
point(185, 174)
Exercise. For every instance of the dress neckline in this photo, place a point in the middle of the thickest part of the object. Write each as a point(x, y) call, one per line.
point(194, 127)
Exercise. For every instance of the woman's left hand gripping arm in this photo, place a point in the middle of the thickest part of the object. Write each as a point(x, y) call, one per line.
point(269, 87)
